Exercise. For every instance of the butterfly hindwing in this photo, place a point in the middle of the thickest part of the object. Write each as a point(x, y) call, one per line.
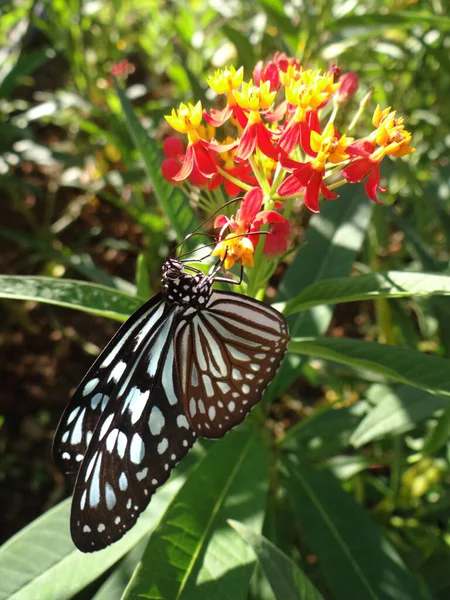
point(81, 415)
point(227, 354)
point(140, 437)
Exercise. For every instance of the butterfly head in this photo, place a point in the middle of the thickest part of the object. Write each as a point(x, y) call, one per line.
point(182, 288)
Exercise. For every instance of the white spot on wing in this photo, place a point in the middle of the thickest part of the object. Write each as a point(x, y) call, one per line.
point(96, 399)
point(162, 446)
point(137, 403)
point(137, 449)
point(90, 386)
point(140, 475)
point(192, 407)
point(123, 482)
point(111, 439)
point(118, 371)
point(110, 497)
point(156, 421)
point(182, 421)
point(105, 426)
point(121, 444)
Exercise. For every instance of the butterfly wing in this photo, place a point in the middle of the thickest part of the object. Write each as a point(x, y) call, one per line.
point(83, 412)
point(140, 436)
point(226, 355)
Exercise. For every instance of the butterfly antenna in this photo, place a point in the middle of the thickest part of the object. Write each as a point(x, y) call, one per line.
point(195, 232)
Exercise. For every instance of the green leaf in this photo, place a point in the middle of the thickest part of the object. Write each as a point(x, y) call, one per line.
point(286, 579)
point(394, 19)
point(392, 284)
point(193, 553)
point(174, 204)
point(399, 409)
point(357, 561)
point(115, 585)
point(429, 373)
point(79, 295)
point(334, 238)
point(325, 433)
point(25, 65)
point(142, 279)
point(41, 560)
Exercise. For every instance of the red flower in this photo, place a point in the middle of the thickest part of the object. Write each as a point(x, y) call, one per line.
point(170, 167)
point(276, 239)
point(197, 155)
point(249, 219)
point(365, 163)
point(218, 117)
point(310, 180)
point(256, 134)
point(172, 147)
point(299, 132)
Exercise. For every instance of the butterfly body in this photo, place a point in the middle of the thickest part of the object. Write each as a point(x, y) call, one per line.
point(190, 362)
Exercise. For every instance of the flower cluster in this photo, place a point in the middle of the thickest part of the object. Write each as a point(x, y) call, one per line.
point(278, 144)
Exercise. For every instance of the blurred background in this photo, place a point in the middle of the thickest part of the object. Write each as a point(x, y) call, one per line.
point(75, 202)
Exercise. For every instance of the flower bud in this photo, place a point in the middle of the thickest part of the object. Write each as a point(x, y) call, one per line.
point(172, 147)
point(349, 84)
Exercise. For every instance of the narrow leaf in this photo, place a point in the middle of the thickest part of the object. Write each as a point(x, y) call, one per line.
point(193, 553)
point(79, 295)
point(429, 373)
point(393, 284)
point(398, 409)
point(174, 204)
point(357, 561)
point(286, 579)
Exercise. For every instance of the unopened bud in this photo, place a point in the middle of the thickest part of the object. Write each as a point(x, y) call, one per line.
point(349, 84)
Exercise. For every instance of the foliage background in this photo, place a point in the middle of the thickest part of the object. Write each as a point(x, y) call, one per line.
point(76, 203)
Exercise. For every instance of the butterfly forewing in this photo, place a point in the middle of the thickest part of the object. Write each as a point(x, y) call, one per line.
point(226, 356)
point(81, 415)
point(140, 437)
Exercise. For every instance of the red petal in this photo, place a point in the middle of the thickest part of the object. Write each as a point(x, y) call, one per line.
point(247, 143)
point(276, 240)
point(218, 117)
point(311, 195)
point(172, 147)
point(362, 147)
point(214, 146)
point(268, 216)
point(170, 167)
point(273, 116)
point(204, 161)
point(327, 193)
point(240, 116)
point(290, 136)
point(357, 170)
point(188, 164)
point(264, 138)
point(220, 221)
point(197, 179)
point(297, 181)
point(372, 185)
point(249, 207)
point(305, 140)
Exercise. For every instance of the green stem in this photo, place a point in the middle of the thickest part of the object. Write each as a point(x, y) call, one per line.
point(263, 184)
point(237, 182)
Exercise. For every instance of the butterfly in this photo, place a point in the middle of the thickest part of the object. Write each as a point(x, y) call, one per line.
point(192, 361)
